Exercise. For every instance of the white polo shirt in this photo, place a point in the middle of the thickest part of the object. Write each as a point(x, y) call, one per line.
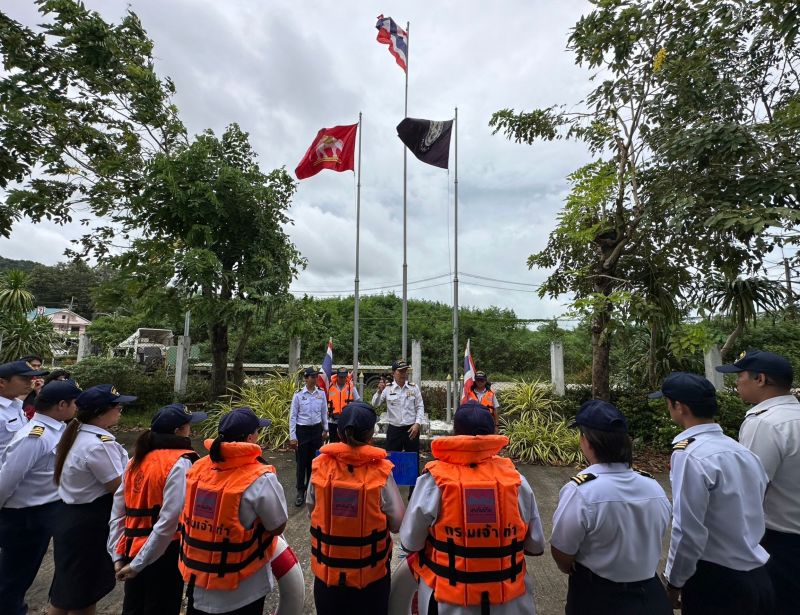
point(12, 418)
point(96, 458)
point(771, 430)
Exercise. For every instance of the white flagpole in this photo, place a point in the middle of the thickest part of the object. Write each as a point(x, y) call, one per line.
point(404, 334)
point(358, 238)
point(455, 276)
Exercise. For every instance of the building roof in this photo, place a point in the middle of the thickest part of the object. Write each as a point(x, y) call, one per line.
point(51, 311)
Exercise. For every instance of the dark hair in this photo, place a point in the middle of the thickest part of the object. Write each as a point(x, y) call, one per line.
point(357, 438)
point(610, 446)
point(31, 357)
point(56, 374)
point(84, 415)
point(700, 409)
point(215, 452)
point(150, 440)
point(775, 380)
point(44, 406)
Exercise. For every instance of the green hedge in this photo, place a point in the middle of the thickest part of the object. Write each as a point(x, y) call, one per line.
point(153, 388)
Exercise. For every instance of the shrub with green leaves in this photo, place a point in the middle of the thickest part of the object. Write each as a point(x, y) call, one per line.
point(542, 437)
point(269, 397)
point(529, 396)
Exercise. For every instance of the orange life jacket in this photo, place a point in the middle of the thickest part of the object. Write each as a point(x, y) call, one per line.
point(474, 550)
point(144, 495)
point(350, 542)
point(337, 399)
point(217, 551)
point(487, 400)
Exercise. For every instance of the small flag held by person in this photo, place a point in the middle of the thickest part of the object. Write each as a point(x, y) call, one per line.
point(469, 374)
point(326, 370)
point(428, 140)
point(333, 148)
point(389, 33)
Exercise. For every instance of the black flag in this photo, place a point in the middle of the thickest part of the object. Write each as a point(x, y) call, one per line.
point(428, 140)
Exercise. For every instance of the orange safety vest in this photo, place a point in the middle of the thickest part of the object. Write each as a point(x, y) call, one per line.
point(337, 399)
point(144, 495)
point(217, 551)
point(350, 542)
point(474, 550)
point(487, 400)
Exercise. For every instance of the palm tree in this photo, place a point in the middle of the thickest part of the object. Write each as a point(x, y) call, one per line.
point(15, 298)
point(741, 299)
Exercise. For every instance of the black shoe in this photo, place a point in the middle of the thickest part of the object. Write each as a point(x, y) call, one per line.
point(300, 499)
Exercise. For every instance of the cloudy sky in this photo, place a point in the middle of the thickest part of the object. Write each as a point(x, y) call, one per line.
point(282, 69)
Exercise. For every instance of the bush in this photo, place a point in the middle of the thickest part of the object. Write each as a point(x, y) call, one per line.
point(435, 400)
point(153, 388)
point(543, 438)
point(530, 396)
point(271, 399)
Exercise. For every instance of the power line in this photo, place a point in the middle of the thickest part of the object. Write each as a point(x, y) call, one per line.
point(387, 286)
point(483, 277)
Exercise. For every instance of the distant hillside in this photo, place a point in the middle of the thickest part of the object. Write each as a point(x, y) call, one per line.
point(9, 263)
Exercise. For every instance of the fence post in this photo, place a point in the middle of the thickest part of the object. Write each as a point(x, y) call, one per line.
point(361, 383)
point(416, 362)
point(449, 388)
point(712, 358)
point(182, 364)
point(557, 368)
point(83, 347)
point(294, 355)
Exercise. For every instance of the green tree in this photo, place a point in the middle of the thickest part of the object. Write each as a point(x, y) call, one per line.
point(15, 298)
point(81, 111)
point(210, 230)
point(20, 335)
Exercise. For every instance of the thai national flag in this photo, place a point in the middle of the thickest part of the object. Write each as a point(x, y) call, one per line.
point(325, 372)
point(389, 33)
point(469, 373)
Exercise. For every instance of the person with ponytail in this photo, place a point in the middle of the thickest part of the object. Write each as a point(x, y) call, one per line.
point(88, 470)
point(234, 509)
point(354, 503)
point(143, 538)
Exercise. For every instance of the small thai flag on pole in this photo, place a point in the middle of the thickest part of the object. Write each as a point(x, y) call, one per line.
point(469, 373)
point(389, 33)
point(325, 372)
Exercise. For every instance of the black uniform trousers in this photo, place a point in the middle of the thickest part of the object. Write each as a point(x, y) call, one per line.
point(158, 588)
point(397, 439)
point(24, 537)
point(590, 594)
point(309, 441)
point(333, 430)
point(718, 590)
point(783, 568)
point(335, 600)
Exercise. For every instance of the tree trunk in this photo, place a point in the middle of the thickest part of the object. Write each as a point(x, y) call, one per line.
point(726, 349)
point(238, 357)
point(601, 353)
point(218, 333)
point(652, 376)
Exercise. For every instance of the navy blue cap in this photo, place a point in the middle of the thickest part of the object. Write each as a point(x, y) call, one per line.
point(342, 370)
point(473, 419)
point(58, 390)
point(171, 417)
point(760, 361)
point(20, 368)
point(103, 395)
point(600, 415)
point(479, 375)
point(310, 371)
point(399, 364)
point(241, 422)
point(686, 387)
point(358, 414)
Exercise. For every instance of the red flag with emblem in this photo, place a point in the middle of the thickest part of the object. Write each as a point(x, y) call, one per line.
point(333, 148)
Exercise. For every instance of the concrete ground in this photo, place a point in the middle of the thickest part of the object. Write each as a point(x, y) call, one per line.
point(550, 585)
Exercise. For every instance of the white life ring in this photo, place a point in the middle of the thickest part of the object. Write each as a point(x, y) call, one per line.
point(289, 574)
point(404, 587)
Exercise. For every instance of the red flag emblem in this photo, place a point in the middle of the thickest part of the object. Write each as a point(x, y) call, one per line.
point(333, 148)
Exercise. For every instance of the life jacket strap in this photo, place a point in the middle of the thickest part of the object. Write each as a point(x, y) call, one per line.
point(453, 575)
point(375, 557)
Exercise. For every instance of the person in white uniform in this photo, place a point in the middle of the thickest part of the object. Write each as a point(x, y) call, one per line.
point(609, 524)
point(715, 563)
point(16, 380)
point(143, 539)
point(771, 429)
point(467, 491)
point(88, 470)
point(29, 501)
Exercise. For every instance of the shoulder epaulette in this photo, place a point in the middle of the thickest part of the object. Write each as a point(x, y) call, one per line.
point(580, 479)
point(105, 438)
point(411, 384)
point(757, 413)
point(191, 456)
point(36, 432)
point(681, 446)
point(643, 473)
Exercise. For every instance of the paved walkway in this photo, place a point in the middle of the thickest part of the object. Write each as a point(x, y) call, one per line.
point(550, 585)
